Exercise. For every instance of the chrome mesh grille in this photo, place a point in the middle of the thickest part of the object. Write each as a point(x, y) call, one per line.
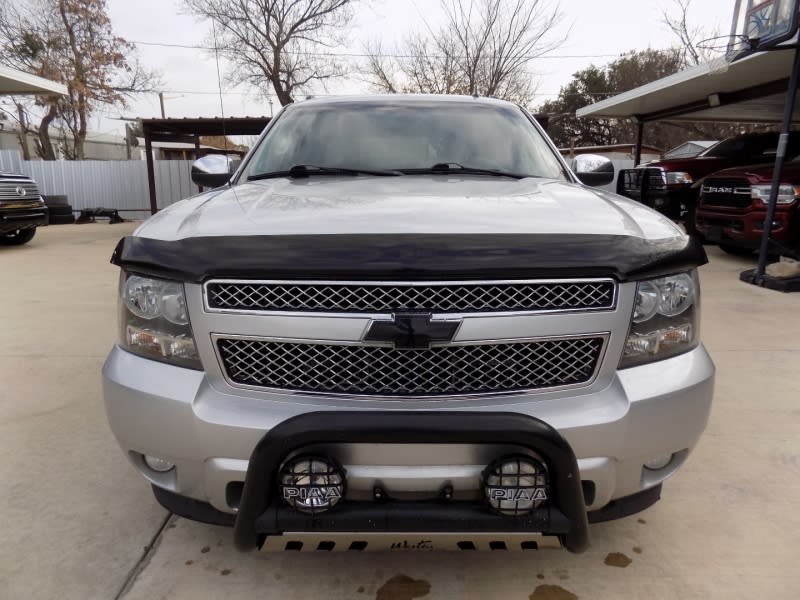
point(445, 370)
point(370, 297)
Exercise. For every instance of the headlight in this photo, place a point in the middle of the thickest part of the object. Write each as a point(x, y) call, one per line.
point(154, 321)
point(679, 177)
point(786, 193)
point(665, 319)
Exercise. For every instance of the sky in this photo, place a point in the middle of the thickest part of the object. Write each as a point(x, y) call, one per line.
point(597, 32)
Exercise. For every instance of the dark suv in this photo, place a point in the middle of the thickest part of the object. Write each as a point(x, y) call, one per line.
point(22, 209)
point(668, 185)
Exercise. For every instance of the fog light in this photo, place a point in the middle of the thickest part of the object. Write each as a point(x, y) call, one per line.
point(312, 484)
point(516, 485)
point(161, 465)
point(658, 463)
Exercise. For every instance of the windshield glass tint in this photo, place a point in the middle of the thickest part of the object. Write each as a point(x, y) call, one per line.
point(413, 135)
point(758, 147)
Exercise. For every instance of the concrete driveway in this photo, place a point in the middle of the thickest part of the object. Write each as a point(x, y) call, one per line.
point(76, 521)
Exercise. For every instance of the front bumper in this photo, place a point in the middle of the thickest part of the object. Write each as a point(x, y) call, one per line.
point(262, 513)
point(22, 217)
point(210, 433)
point(744, 228)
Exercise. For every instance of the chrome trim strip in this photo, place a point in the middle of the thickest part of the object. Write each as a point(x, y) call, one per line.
point(438, 283)
point(600, 360)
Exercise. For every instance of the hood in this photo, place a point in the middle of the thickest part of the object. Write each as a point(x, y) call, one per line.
point(762, 173)
point(697, 167)
point(393, 228)
point(330, 205)
point(14, 176)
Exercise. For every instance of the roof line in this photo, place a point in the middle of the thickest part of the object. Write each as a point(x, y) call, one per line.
point(46, 86)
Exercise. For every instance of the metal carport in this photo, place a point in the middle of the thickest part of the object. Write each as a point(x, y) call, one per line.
point(758, 87)
point(17, 83)
point(189, 130)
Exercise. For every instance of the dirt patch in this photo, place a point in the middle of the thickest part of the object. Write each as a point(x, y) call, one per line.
point(637, 549)
point(360, 589)
point(205, 549)
point(617, 559)
point(225, 572)
point(642, 521)
point(551, 592)
point(403, 587)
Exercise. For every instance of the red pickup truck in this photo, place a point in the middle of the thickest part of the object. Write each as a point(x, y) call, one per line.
point(733, 208)
point(667, 185)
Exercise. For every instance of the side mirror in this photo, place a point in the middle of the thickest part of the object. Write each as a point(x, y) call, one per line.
point(212, 170)
point(593, 169)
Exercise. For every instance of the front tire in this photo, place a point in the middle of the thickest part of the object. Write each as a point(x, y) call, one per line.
point(18, 237)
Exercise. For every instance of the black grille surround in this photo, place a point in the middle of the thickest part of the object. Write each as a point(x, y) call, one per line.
point(369, 297)
point(730, 193)
point(448, 370)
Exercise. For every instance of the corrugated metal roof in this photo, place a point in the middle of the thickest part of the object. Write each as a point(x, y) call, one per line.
point(749, 90)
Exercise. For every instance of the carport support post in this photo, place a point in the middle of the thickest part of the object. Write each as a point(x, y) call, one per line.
point(639, 134)
point(151, 175)
point(777, 172)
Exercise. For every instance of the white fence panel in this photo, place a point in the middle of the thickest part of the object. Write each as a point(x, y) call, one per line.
point(107, 184)
point(10, 161)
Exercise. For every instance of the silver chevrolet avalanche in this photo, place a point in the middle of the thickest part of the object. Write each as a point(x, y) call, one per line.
point(404, 322)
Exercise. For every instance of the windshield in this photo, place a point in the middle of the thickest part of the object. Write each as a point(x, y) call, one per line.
point(754, 147)
point(405, 136)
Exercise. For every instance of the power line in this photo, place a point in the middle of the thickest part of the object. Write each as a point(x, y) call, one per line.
point(216, 93)
point(361, 55)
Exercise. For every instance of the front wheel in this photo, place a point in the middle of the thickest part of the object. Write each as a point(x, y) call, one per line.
point(736, 250)
point(18, 237)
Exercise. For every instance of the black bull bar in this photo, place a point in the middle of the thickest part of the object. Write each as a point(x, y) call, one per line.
point(262, 512)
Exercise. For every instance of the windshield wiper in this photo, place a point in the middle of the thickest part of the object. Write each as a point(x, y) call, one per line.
point(298, 171)
point(453, 167)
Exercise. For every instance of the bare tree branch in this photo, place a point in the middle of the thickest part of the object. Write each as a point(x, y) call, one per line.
point(485, 47)
point(271, 43)
point(689, 37)
point(70, 41)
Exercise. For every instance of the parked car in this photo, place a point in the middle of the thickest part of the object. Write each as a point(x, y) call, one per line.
point(733, 208)
point(22, 209)
point(667, 185)
point(404, 315)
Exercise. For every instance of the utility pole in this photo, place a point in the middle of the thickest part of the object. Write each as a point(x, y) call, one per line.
point(161, 100)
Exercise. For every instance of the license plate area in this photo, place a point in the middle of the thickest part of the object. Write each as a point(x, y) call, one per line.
point(408, 542)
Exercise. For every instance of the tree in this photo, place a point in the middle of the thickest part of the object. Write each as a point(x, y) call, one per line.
point(282, 45)
point(484, 47)
point(593, 84)
point(587, 86)
point(70, 41)
point(690, 37)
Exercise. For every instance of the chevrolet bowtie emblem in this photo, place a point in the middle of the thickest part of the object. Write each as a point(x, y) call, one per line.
point(412, 331)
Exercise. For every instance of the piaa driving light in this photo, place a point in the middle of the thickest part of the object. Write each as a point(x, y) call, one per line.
point(312, 484)
point(515, 485)
point(154, 321)
point(664, 321)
